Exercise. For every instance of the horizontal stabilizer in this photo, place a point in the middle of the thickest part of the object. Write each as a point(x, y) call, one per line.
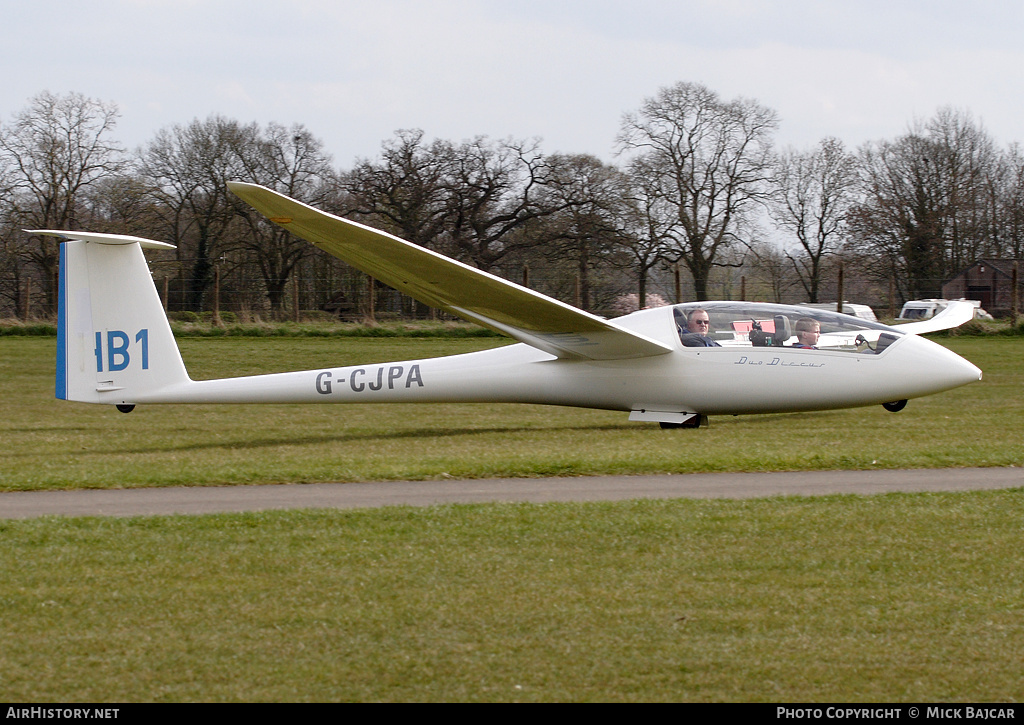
point(102, 238)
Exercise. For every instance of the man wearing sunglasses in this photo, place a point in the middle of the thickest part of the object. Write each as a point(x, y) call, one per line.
point(698, 325)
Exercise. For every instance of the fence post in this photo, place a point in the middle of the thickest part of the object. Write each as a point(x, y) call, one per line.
point(1014, 295)
point(369, 299)
point(839, 301)
point(216, 296)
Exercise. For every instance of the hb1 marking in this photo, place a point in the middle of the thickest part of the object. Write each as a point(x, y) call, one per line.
point(118, 357)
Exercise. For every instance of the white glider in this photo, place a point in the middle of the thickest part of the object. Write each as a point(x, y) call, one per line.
point(115, 345)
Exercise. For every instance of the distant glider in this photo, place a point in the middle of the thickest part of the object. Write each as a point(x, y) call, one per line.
point(115, 345)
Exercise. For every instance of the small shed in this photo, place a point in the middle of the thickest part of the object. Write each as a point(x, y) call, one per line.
point(990, 281)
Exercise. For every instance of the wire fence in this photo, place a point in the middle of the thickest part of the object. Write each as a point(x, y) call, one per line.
point(357, 297)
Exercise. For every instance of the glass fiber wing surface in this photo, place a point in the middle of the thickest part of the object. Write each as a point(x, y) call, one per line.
point(444, 283)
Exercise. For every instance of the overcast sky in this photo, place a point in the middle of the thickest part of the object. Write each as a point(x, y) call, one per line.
point(561, 70)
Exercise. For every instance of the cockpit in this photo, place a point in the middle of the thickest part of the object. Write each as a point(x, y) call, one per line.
point(755, 324)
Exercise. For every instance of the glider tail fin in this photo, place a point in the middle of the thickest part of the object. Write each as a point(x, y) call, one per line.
point(114, 344)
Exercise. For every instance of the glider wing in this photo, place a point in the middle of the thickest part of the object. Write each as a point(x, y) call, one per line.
point(441, 282)
point(955, 314)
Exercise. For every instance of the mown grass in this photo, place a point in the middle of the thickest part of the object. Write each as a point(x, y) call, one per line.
point(912, 598)
point(900, 597)
point(55, 444)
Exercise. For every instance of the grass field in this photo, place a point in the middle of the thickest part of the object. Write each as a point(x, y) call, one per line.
point(891, 598)
point(55, 444)
point(913, 598)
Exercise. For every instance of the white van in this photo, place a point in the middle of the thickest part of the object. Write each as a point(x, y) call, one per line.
point(921, 309)
point(926, 309)
point(862, 311)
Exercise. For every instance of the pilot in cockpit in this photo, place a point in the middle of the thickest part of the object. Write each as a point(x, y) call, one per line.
point(807, 332)
point(698, 325)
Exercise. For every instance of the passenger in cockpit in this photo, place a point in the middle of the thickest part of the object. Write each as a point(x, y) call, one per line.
point(698, 325)
point(807, 332)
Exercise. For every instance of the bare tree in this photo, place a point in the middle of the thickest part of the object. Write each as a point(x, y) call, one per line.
point(647, 223)
point(813, 194)
point(926, 210)
point(122, 204)
point(405, 189)
point(493, 189)
point(293, 162)
point(55, 151)
point(12, 281)
point(587, 228)
point(968, 162)
point(10, 257)
point(770, 268)
point(1008, 193)
point(188, 168)
point(900, 221)
point(710, 160)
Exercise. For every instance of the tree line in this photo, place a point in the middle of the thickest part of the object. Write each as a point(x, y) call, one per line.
point(700, 203)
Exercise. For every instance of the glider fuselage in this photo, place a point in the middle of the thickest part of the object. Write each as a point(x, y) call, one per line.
point(733, 379)
point(116, 347)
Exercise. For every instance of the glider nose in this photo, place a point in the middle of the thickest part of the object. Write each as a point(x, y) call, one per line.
point(955, 372)
point(939, 368)
point(965, 372)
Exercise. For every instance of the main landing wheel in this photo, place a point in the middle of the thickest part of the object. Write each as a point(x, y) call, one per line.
point(124, 408)
point(895, 406)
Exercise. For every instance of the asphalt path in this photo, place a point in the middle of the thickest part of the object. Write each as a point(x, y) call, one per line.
point(218, 499)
